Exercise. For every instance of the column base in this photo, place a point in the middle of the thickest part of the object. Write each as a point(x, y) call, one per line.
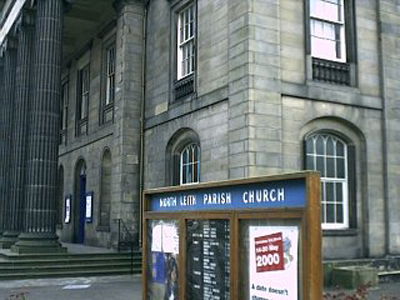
point(38, 243)
point(8, 239)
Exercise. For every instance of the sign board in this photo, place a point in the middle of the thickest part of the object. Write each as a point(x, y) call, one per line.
point(89, 207)
point(279, 194)
point(67, 209)
point(257, 238)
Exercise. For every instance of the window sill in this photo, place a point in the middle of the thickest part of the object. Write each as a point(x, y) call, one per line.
point(340, 232)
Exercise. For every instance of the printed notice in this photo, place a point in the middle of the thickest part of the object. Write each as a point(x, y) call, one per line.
point(273, 262)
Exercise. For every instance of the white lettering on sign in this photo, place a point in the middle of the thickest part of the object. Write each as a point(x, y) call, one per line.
point(187, 200)
point(217, 198)
point(264, 195)
point(168, 202)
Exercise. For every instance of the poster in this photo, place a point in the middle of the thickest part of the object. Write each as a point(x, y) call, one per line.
point(163, 265)
point(273, 262)
point(67, 217)
point(89, 207)
point(165, 238)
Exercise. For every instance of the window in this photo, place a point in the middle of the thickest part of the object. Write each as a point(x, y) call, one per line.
point(186, 42)
point(185, 51)
point(190, 164)
point(327, 30)
point(332, 41)
point(183, 158)
point(64, 112)
point(83, 99)
point(107, 106)
point(328, 154)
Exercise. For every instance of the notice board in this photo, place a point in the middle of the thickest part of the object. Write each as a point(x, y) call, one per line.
point(257, 238)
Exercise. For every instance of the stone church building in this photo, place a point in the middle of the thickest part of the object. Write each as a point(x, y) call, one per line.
point(103, 99)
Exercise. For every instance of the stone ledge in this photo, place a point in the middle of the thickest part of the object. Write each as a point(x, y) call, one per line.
point(351, 277)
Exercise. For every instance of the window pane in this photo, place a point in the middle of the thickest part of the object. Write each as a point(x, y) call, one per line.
point(340, 168)
point(330, 167)
point(323, 212)
point(330, 146)
point(320, 145)
point(339, 213)
point(184, 178)
point(330, 213)
point(321, 166)
point(310, 146)
point(330, 196)
point(310, 162)
point(339, 148)
point(339, 192)
point(326, 9)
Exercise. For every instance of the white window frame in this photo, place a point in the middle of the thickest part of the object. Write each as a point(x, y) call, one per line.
point(84, 77)
point(332, 179)
point(186, 48)
point(320, 16)
point(110, 75)
point(189, 167)
point(64, 105)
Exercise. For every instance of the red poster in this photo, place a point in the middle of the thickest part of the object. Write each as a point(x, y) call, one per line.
point(269, 252)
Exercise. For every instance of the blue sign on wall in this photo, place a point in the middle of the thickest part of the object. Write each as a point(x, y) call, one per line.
point(273, 194)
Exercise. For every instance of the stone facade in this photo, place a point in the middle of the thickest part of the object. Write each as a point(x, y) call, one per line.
point(253, 104)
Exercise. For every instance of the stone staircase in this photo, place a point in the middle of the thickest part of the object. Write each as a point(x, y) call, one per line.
point(29, 266)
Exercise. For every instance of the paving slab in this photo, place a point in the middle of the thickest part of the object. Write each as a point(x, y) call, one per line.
point(80, 288)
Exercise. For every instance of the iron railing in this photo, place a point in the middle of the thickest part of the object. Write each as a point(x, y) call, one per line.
point(125, 239)
point(331, 71)
point(184, 87)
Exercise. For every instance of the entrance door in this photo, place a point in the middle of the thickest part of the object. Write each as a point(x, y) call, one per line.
point(80, 236)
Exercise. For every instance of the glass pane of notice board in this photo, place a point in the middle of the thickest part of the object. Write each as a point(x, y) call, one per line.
point(163, 257)
point(269, 259)
point(208, 264)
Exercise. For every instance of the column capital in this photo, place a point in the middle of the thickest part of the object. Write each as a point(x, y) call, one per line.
point(10, 42)
point(120, 4)
point(26, 19)
point(67, 4)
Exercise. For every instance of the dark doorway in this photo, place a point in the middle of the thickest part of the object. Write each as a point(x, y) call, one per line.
point(80, 203)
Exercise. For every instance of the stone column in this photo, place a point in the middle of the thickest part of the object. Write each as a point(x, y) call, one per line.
point(10, 64)
point(22, 100)
point(2, 143)
point(41, 189)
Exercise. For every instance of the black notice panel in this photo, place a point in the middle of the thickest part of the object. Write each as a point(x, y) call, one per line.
point(208, 253)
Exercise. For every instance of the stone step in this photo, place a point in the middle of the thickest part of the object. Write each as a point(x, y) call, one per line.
point(26, 266)
point(52, 256)
point(55, 266)
point(69, 273)
point(86, 261)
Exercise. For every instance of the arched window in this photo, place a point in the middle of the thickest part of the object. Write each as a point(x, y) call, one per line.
point(328, 154)
point(183, 157)
point(105, 195)
point(190, 164)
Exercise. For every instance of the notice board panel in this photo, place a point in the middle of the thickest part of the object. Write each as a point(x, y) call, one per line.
point(257, 238)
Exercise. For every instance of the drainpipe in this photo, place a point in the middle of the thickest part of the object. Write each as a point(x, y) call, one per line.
point(384, 132)
point(142, 117)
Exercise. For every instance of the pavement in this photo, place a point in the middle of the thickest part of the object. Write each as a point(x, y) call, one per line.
point(79, 288)
point(126, 287)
